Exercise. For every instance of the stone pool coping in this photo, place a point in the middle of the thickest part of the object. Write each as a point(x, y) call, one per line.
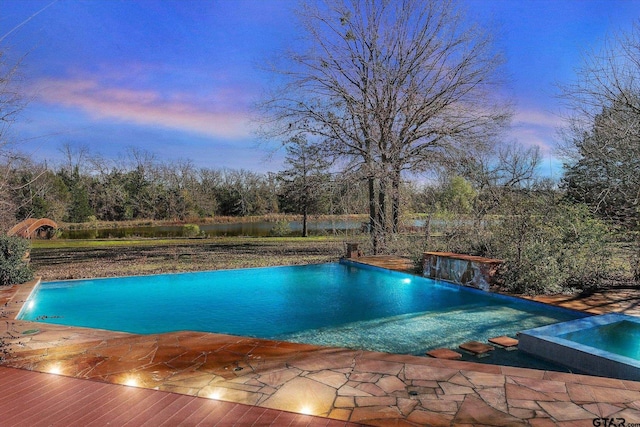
point(359, 386)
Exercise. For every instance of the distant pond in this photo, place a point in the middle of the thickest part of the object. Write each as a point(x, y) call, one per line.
point(253, 229)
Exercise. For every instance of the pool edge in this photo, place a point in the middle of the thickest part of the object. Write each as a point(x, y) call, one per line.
point(20, 298)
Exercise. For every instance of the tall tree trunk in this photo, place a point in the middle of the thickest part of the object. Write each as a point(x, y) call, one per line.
point(395, 202)
point(635, 261)
point(305, 212)
point(381, 221)
point(382, 195)
point(372, 215)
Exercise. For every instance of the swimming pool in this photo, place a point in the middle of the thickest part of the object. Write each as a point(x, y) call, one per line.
point(336, 304)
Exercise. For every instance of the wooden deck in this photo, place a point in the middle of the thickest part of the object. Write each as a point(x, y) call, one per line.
point(36, 399)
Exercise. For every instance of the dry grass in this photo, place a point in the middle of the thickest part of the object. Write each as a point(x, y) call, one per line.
point(127, 258)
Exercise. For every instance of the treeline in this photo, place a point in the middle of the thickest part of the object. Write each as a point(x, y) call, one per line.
point(88, 187)
point(153, 190)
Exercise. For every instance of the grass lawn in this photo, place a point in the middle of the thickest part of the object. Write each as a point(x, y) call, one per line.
point(74, 259)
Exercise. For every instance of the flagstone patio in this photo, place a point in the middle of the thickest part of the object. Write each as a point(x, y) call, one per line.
point(352, 385)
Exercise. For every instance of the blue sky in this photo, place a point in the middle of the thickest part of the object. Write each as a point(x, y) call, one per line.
point(178, 78)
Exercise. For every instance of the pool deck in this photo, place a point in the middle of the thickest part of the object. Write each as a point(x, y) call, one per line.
point(610, 301)
point(335, 385)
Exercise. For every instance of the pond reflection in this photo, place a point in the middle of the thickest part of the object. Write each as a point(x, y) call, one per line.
point(253, 229)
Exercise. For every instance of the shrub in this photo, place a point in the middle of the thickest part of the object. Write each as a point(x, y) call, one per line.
point(280, 229)
point(548, 252)
point(14, 268)
point(190, 230)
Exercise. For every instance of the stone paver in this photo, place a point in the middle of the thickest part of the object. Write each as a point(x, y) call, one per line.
point(391, 384)
point(504, 341)
point(566, 411)
point(476, 347)
point(444, 353)
point(303, 395)
point(606, 301)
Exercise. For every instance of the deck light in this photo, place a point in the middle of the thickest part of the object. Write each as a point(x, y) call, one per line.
point(55, 369)
point(131, 381)
point(306, 410)
point(215, 394)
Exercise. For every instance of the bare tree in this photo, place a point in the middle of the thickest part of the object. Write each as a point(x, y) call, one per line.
point(392, 86)
point(11, 102)
point(500, 177)
point(75, 156)
point(602, 133)
point(510, 165)
point(607, 79)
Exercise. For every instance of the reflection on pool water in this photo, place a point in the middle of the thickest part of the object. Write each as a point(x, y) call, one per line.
point(336, 304)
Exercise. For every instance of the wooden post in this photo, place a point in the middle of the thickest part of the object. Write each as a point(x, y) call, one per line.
point(353, 251)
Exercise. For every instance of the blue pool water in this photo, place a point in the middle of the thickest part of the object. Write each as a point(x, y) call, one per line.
point(621, 338)
point(327, 304)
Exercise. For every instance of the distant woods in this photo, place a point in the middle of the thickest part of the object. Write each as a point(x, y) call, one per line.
point(88, 187)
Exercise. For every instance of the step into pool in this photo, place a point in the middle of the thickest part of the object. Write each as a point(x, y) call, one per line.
point(335, 304)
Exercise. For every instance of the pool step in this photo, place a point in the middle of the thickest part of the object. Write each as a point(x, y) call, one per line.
point(508, 343)
point(477, 348)
point(444, 353)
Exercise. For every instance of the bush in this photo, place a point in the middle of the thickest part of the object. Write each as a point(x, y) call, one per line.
point(280, 229)
point(14, 268)
point(547, 246)
point(190, 230)
point(551, 251)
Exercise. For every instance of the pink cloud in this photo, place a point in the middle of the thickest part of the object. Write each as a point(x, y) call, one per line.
point(536, 128)
point(537, 118)
point(146, 107)
point(530, 138)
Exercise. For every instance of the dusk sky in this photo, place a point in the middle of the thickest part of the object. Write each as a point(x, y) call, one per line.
point(178, 78)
